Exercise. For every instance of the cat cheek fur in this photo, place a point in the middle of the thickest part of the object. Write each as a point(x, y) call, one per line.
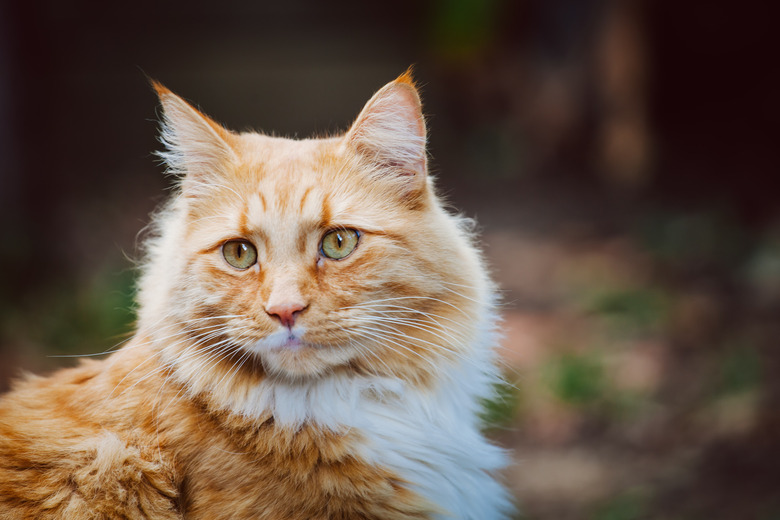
point(361, 400)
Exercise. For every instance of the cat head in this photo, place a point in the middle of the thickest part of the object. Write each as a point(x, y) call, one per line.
point(296, 259)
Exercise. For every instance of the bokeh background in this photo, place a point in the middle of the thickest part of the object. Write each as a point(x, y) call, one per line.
point(620, 156)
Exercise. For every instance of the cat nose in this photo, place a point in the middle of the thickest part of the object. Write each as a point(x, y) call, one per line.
point(286, 313)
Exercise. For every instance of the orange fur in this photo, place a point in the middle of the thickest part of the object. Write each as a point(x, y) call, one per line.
point(91, 443)
point(215, 409)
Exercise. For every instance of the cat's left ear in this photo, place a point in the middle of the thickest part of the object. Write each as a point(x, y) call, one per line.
point(197, 148)
point(390, 133)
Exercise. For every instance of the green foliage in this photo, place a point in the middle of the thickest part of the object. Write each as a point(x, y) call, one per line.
point(82, 319)
point(633, 309)
point(740, 371)
point(631, 505)
point(463, 27)
point(578, 380)
point(502, 407)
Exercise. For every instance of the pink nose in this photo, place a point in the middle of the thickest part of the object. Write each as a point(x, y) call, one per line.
point(286, 313)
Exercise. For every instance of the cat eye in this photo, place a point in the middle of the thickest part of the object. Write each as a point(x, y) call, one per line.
point(339, 243)
point(241, 254)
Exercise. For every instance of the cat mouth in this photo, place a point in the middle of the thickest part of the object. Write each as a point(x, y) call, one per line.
point(292, 343)
point(282, 341)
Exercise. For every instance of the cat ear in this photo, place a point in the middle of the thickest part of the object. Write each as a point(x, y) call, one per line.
point(390, 134)
point(197, 148)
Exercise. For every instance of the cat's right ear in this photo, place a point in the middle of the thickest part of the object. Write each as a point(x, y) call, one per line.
point(196, 148)
point(390, 134)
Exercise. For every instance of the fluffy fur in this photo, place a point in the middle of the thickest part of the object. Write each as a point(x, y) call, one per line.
point(302, 387)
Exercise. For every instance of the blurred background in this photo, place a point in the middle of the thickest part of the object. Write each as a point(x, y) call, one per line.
point(620, 157)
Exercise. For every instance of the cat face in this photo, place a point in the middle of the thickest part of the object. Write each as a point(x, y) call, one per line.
point(298, 258)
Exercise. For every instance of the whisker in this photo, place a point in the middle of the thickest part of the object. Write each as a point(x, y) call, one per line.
point(164, 366)
point(450, 349)
point(378, 334)
point(378, 304)
point(363, 349)
point(425, 327)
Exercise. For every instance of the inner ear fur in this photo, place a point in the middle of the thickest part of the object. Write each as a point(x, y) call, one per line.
point(390, 134)
point(197, 148)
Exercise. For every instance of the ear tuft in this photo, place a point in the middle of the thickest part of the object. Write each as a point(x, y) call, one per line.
point(197, 148)
point(159, 88)
point(407, 78)
point(390, 134)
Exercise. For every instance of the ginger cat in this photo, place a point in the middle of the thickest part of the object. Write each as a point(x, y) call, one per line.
point(315, 335)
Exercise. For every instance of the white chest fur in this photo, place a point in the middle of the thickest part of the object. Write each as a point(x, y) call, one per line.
point(429, 438)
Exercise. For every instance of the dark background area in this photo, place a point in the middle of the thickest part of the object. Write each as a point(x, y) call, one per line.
point(620, 158)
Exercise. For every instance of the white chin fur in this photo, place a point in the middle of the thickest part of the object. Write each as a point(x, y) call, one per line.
point(284, 354)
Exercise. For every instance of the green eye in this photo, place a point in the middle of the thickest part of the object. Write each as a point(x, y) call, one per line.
point(239, 253)
point(339, 243)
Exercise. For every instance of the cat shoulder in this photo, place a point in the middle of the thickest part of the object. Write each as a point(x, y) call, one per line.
point(59, 463)
point(99, 477)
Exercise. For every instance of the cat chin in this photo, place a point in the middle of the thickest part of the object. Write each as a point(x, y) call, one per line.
point(287, 355)
point(304, 364)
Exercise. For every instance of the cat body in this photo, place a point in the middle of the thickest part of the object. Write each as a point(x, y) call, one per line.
point(315, 336)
